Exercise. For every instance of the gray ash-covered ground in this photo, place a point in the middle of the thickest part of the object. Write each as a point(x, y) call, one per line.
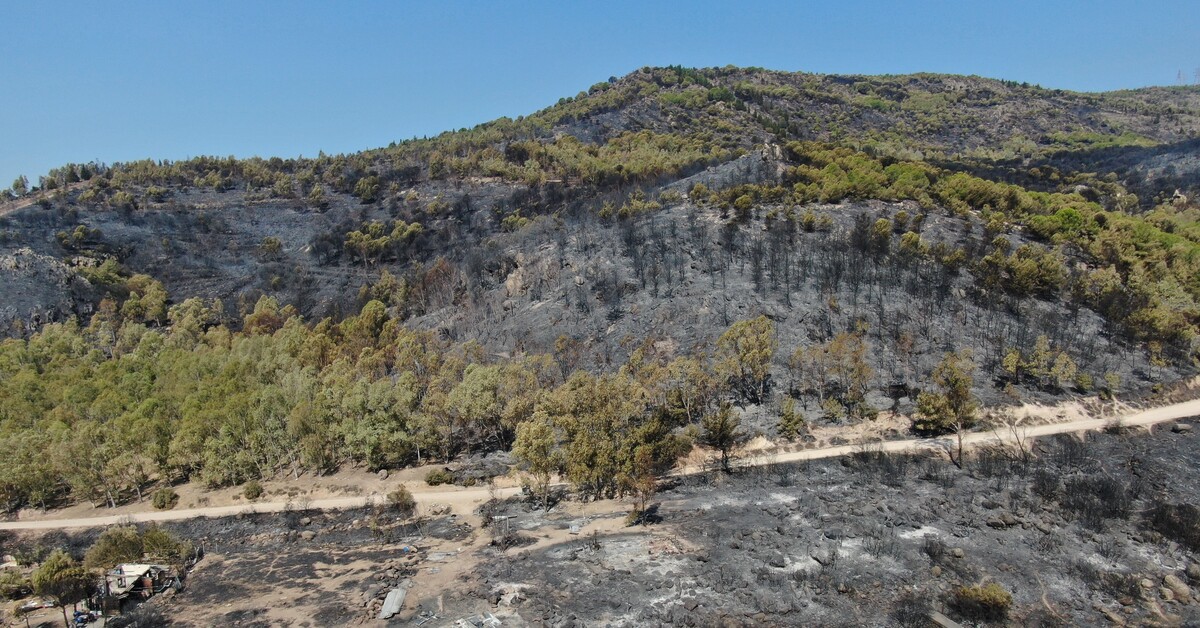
point(878, 541)
point(1082, 532)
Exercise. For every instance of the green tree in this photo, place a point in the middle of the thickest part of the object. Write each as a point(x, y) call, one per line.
point(115, 546)
point(62, 580)
point(791, 421)
point(722, 431)
point(537, 447)
point(952, 406)
point(744, 354)
point(20, 186)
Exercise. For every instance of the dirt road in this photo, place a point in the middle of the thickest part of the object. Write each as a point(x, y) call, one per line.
point(465, 499)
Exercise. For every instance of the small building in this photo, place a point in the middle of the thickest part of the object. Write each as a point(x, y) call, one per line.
point(137, 581)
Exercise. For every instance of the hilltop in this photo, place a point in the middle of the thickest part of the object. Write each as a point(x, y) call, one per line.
point(860, 228)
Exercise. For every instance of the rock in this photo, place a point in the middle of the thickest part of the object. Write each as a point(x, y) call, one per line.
point(308, 535)
point(1009, 519)
point(1181, 428)
point(834, 534)
point(936, 571)
point(1145, 583)
point(958, 552)
point(383, 474)
point(305, 521)
point(1193, 572)
point(777, 560)
point(997, 523)
point(990, 504)
point(1166, 594)
point(1180, 590)
point(691, 604)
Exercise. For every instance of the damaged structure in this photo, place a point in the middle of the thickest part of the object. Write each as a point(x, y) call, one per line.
point(136, 581)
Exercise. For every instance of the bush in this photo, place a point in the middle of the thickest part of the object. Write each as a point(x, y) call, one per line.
point(13, 585)
point(164, 499)
point(164, 546)
point(115, 546)
point(438, 477)
point(989, 602)
point(401, 500)
point(252, 490)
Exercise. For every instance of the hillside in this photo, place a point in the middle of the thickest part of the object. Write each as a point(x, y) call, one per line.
point(800, 245)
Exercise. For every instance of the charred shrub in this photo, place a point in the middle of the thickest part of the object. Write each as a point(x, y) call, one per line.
point(911, 610)
point(1045, 484)
point(1114, 584)
point(1095, 499)
point(934, 548)
point(1070, 452)
point(890, 469)
point(989, 602)
point(993, 462)
point(1178, 522)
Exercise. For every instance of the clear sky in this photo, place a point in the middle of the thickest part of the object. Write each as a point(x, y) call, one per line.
point(116, 81)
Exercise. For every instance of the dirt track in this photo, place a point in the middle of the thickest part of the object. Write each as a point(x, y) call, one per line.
point(466, 499)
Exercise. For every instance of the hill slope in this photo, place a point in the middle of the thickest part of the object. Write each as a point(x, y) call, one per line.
point(873, 224)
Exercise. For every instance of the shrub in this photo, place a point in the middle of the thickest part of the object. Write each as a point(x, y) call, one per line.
point(989, 602)
point(164, 546)
point(13, 585)
point(115, 546)
point(437, 477)
point(252, 490)
point(401, 500)
point(164, 499)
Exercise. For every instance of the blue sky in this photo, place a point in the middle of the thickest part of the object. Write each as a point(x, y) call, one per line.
point(116, 81)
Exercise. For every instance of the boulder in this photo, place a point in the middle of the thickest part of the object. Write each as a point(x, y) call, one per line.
point(1181, 428)
point(308, 535)
point(383, 474)
point(1177, 586)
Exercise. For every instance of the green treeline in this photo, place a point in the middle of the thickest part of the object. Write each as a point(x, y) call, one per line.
point(103, 411)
